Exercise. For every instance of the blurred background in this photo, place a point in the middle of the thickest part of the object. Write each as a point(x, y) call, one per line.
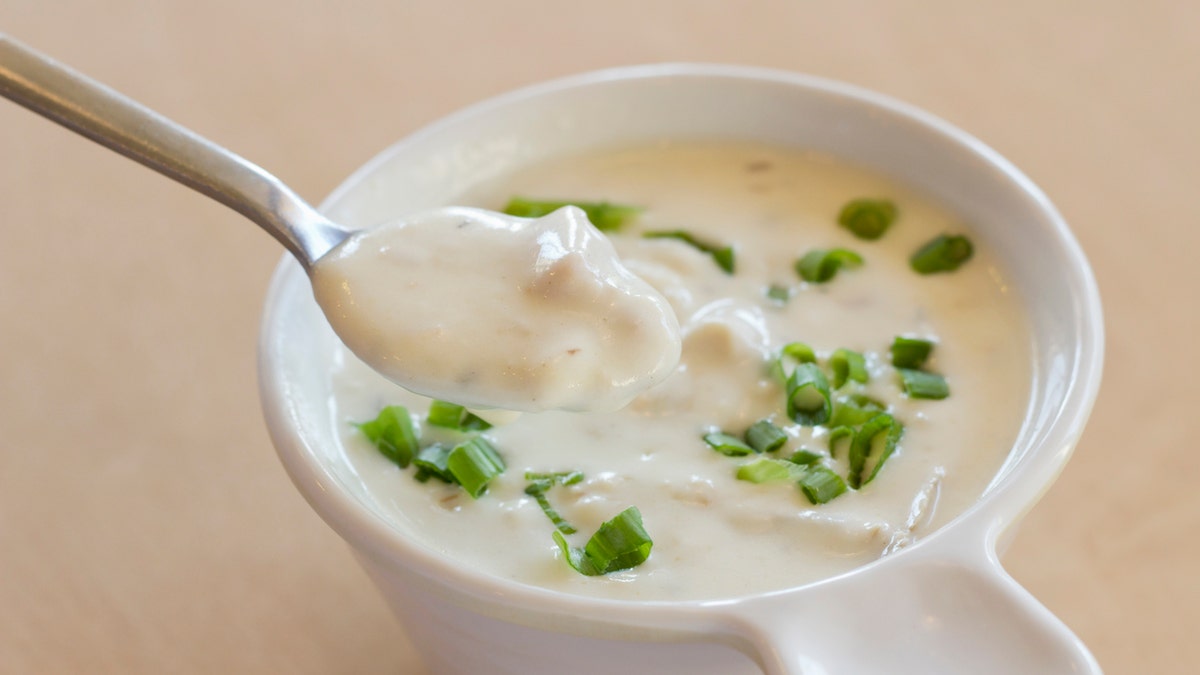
point(145, 523)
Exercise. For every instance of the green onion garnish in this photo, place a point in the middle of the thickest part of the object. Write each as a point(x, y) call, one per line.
point(603, 215)
point(722, 255)
point(867, 218)
point(848, 365)
point(819, 265)
point(541, 483)
point(820, 484)
point(473, 463)
point(779, 293)
point(790, 356)
point(434, 461)
point(805, 457)
point(836, 435)
point(393, 433)
point(455, 416)
point(944, 253)
point(766, 469)
point(871, 447)
point(923, 384)
point(910, 352)
point(853, 410)
point(726, 444)
point(619, 544)
point(808, 395)
point(765, 437)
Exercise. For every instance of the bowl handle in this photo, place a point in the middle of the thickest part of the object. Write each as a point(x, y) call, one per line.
point(921, 612)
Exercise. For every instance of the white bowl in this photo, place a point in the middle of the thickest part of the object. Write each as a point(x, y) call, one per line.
point(943, 605)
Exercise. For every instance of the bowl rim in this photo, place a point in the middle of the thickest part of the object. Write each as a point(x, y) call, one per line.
point(1007, 500)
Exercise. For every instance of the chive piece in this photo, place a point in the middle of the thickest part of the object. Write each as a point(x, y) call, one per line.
point(722, 255)
point(867, 218)
point(779, 293)
point(808, 395)
point(766, 469)
point(393, 434)
point(836, 434)
point(540, 484)
point(560, 477)
point(820, 484)
point(848, 365)
point(792, 354)
point(605, 216)
point(910, 352)
point(853, 410)
point(805, 457)
point(923, 384)
point(765, 437)
point(727, 445)
point(433, 461)
point(871, 447)
point(454, 416)
point(819, 265)
point(473, 463)
point(619, 544)
point(944, 253)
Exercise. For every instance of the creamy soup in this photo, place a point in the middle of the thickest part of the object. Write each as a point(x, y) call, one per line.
point(714, 535)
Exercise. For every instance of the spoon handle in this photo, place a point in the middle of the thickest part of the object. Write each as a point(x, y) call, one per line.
point(113, 120)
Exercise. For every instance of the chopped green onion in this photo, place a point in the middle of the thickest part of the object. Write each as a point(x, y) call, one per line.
point(434, 461)
point(820, 484)
point(766, 469)
point(805, 457)
point(819, 265)
point(836, 434)
point(779, 293)
point(808, 395)
point(871, 447)
point(923, 384)
point(560, 477)
point(848, 365)
point(910, 352)
point(455, 416)
point(944, 253)
point(728, 445)
point(393, 434)
point(853, 410)
point(619, 544)
point(867, 218)
point(765, 437)
point(473, 463)
point(603, 215)
point(790, 356)
point(722, 255)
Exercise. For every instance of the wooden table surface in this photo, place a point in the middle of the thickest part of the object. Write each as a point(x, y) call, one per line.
point(145, 523)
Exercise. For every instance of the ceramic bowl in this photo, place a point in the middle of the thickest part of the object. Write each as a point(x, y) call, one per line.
point(944, 605)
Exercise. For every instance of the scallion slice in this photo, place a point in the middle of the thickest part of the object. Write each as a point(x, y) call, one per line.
point(393, 434)
point(792, 354)
point(474, 463)
point(766, 469)
point(779, 293)
point(619, 544)
point(923, 384)
point(848, 366)
point(764, 436)
point(727, 444)
point(454, 416)
point(867, 218)
point(871, 447)
point(538, 487)
point(837, 435)
point(819, 265)
point(808, 395)
point(944, 253)
point(908, 352)
point(722, 255)
point(853, 410)
point(605, 216)
point(820, 484)
point(805, 457)
point(433, 461)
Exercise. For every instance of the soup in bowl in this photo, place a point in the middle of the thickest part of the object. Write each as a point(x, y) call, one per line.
point(890, 344)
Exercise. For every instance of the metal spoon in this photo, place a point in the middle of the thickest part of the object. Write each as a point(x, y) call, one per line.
point(91, 109)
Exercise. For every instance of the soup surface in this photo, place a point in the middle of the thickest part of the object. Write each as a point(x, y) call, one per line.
point(716, 536)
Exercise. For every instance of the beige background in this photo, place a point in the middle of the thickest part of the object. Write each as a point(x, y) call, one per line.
point(145, 523)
